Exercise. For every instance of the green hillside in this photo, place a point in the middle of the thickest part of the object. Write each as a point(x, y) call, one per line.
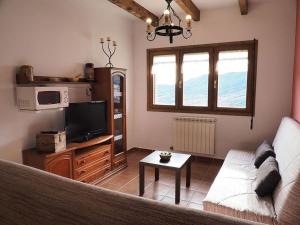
point(232, 91)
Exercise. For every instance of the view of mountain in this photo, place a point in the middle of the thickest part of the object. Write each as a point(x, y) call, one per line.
point(231, 87)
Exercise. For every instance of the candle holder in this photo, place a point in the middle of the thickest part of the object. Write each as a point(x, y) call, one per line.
point(110, 50)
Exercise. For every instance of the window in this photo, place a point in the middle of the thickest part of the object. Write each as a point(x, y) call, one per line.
point(232, 69)
point(164, 79)
point(195, 72)
point(216, 78)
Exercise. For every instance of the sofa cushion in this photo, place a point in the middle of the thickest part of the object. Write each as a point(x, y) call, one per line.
point(287, 194)
point(232, 192)
point(267, 177)
point(262, 153)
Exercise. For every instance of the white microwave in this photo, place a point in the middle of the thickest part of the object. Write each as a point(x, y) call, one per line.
point(40, 98)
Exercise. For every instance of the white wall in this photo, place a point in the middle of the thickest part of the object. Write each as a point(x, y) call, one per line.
point(273, 24)
point(57, 38)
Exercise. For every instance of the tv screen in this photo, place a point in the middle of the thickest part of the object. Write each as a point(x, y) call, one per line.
point(85, 121)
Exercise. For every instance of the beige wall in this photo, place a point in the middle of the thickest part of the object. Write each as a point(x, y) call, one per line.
point(56, 37)
point(273, 24)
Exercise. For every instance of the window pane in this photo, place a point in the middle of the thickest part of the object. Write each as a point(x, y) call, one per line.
point(164, 79)
point(232, 79)
point(195, 70)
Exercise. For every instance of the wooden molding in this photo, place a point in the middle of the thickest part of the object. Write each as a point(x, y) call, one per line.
point(137, 10)
point(243, 6)
point(190, 8)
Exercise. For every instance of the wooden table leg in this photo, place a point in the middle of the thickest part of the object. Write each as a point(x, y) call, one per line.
point(156, 174)
point(142, 178)
point(188, 173)
point(177, 186)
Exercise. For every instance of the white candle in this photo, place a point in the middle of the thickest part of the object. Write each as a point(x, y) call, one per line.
point(167, 16)
point(188, 22)
point(149, 26)
point(149, 21)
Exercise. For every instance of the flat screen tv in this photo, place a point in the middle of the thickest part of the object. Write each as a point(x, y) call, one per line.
point(85, 121)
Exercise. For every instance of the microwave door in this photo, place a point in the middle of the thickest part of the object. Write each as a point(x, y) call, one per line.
point(48, 99)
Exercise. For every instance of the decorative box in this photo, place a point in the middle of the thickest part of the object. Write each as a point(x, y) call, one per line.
point(51, 141)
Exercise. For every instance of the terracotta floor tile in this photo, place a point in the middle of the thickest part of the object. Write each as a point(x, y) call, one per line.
point(110, 186)
point(198, 197)
point(198, 173)
point(211, 173)
point(131, 188)
point(200, 186)
point(185, 194)
point(170, 200)
point(158, 188)
point(195, 206)
point(114, 182)
point(166, 178)
point(170, 180)
point(153, 195)
point(204, 186)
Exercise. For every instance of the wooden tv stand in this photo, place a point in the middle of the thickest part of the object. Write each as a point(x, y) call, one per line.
point(88, 162)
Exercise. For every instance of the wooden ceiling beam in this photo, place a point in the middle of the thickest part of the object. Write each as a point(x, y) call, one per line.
point(243, 6)
point(190, 8)
point(137, 10)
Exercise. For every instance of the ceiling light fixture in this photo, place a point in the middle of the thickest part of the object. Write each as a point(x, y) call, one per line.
point(167, 27)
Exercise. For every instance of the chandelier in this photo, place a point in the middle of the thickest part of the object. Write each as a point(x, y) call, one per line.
point(168, 28)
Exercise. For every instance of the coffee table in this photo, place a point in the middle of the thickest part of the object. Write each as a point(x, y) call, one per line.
point(177, 162)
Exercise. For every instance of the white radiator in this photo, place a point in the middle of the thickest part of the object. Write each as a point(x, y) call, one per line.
point(194, 135)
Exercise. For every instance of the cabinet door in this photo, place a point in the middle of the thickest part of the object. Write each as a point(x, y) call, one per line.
point(119, 112)
point(61, 165)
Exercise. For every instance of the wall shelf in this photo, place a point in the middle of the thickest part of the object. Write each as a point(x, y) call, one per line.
point(44, 80)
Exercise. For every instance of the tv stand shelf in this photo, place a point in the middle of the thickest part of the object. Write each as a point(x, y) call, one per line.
point(89, 161)
point(94, 141)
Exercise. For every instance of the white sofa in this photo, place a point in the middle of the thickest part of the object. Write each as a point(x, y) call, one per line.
point(232, 192)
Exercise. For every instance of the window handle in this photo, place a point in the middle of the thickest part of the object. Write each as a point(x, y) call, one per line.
point(215, 84)
point(180, 84)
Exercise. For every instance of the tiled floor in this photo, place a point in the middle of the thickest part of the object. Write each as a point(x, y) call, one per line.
point(127, 181)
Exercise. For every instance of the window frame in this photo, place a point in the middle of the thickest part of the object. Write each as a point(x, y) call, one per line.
point(150, 81)
point(213, 50)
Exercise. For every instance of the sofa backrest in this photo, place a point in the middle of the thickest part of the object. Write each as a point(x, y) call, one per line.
point(33, 197)
point(287, 194)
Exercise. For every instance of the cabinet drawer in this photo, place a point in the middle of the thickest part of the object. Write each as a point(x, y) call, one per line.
point(92, 156)
point(89, 169)
point(97, 174)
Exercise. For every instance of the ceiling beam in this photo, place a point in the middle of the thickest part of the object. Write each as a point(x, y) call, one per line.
point(243, 6)
point(137, 10)
point(190, 8)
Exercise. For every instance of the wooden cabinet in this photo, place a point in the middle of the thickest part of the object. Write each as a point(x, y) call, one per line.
point(93, 160)
point(60, 165)
point(88, 162)
point(110, 86)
